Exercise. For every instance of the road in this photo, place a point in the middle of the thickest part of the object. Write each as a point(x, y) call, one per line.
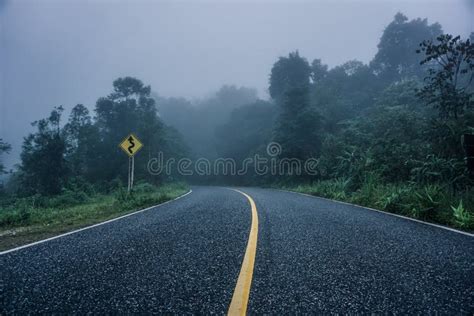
point(312, 256)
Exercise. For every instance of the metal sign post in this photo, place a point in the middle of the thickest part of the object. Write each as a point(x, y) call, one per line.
point(131, 145)
point(130, 173)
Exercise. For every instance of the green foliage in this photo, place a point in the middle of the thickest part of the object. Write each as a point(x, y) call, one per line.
point(4, 149)
point(336, 189)
point(462, 217)
point(427, 202)
point(43, 157)
point(449, 85)
point(77, 208)
point(393, 199)
point(445, 135)
point(396, 58)
point(288, 73)
point(319, 71)
point(435, 169)
point(298, 126)
point(377, 145)
point(130, 108)
point(55, 157)
point(369, 190)
point(82, 141)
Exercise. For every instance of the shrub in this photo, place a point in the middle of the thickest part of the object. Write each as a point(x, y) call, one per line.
point(368, 193)
point(427, 201)
point(67, 198)
point(144, 187)
point(18, 213)
point(394, 199)
point(461, 216)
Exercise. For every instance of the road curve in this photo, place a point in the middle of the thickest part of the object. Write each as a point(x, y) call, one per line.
point(313, 256)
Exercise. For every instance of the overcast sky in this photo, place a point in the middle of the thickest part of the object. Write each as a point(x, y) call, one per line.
point(68, 52)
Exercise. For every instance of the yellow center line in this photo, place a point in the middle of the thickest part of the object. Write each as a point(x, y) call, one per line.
point(240, 299)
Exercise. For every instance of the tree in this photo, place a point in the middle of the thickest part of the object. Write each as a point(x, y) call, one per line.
point(289, 73)
point(198, 122)
point(43, 164)
point(344, 92)
point(319, 71)
point(396, 58)
point(402, 94)
point(82, 140)
point(298, 126)
point(129, 108)
point(449, 89)
point(4, 149)
point(129, 87)
point(254, 123)
point(449, 84)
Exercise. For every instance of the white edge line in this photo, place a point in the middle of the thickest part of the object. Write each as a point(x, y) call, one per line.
point(92, 226)
point(383, 212)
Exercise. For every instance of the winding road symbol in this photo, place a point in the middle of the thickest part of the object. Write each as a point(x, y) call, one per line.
point(131, 145)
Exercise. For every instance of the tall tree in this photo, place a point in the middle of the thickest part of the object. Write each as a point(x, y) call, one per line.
point(343, 92)
point(43, 163)
point(289, 73)
point(298, 126)
point(449, 88)
point(4, 149)
point(82, 140)
point(319, 71)
point(449, 84)
point(128, 109)
point(396, 58)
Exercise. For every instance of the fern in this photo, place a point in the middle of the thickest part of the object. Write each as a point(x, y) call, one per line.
point(462, 218)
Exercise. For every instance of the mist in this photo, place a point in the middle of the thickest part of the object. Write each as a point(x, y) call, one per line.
point(69, 52)
point(151, 150)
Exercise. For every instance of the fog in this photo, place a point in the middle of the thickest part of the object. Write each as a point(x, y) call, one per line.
point(68, 52)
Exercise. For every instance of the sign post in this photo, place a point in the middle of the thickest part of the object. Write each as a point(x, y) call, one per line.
point(131, 145)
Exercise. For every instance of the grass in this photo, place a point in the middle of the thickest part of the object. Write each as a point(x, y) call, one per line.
point(29, 219)
point(433, 203)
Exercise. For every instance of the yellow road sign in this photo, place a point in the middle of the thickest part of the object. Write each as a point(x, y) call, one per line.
point(131, 145)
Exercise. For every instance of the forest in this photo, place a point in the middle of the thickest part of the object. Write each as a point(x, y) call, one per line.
point(387, 135)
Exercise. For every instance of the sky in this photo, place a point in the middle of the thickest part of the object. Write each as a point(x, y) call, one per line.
point(68, 52)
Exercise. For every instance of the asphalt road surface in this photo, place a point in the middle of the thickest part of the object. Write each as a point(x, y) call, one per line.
point(312, 256)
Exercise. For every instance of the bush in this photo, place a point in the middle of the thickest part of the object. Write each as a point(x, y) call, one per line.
point(18, 213)
point(368, 194)
point(394, 199)
point(67, 198)
point(461, 216)
point(428, 201)
point(144, 187)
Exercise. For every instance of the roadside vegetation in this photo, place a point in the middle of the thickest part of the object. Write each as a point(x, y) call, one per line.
point(433, 203)
point(29, 218)
point(387, 134)
point(71, 172)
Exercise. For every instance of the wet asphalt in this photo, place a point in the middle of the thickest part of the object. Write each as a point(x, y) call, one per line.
point(314, 256)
